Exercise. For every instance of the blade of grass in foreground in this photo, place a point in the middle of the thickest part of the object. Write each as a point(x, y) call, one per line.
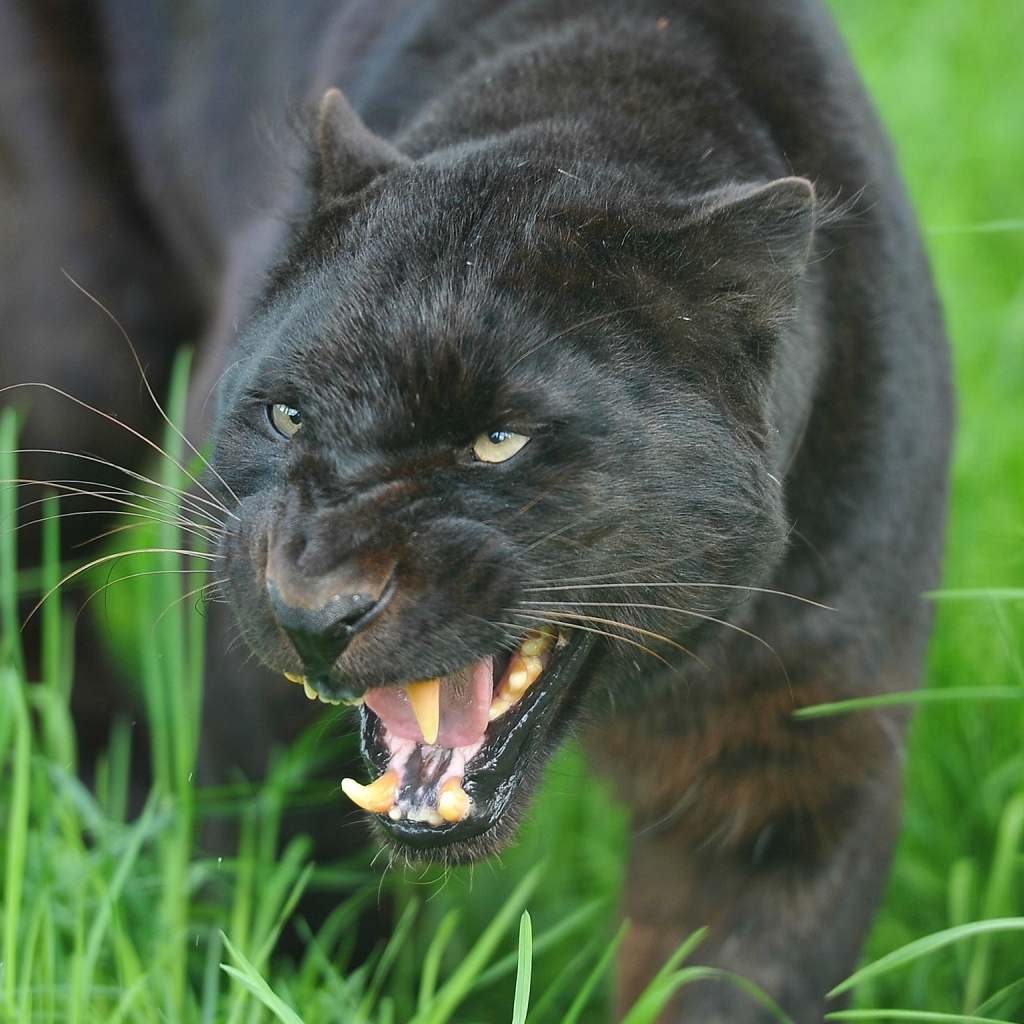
point(919, 1015)
point(922, 947)
point(936, 696)
point(252, 980)
point(521, 1002)
point(458, 985)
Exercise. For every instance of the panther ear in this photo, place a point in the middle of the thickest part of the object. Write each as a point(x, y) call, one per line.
point(348, 155)
point(751, 240)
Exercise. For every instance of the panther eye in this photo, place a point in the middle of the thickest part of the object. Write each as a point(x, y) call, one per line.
point(284, 419)
point(498, 445)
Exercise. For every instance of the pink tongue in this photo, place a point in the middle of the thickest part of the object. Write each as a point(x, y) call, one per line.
point(465, 703)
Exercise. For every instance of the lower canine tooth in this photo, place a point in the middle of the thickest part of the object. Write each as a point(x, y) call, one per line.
point(378, 796)
point(425, 698)
point(453, 803)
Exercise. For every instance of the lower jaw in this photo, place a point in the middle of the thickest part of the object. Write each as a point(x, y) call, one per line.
point(491, 774)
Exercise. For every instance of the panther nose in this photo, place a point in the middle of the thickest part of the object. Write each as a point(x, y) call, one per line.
point(321, 632)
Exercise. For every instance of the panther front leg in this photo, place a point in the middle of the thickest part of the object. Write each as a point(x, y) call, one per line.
point(774, 833)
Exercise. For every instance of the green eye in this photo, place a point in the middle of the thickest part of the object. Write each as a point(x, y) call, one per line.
point(284, 419)
point(498, 445)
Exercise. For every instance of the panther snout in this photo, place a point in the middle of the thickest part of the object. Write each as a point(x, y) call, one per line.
point(321, 613)
point(320, 633)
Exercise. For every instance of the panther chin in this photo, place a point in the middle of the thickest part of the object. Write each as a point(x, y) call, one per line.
point(449, 755)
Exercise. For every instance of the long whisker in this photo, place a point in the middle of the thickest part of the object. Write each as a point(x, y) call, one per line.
point(149, 390)
point(207, 556)
point(157, 514)
point(680, 611)
point(121, 496)
point(195, 501)
point(185, 597)
point(681, 586)
point(148, 572)
point(125, 527)
point(211, 497)
point(620, 625)
point(602, 632)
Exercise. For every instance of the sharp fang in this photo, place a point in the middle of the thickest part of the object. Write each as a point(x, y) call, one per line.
point(425, 698)
point(310, 692)
point(378, 797)
point(523, 671)
point(537, 643)
point(293, 678)
point(453, 802)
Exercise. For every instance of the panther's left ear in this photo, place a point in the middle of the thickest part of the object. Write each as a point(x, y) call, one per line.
point(348, 155)
point(753, 239)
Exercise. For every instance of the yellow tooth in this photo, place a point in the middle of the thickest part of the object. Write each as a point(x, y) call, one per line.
point(519, 677)
point(378, 796)
point(310, 692)
point(453, 801)
point(293, 678)
point(328, 700)
point(425, 698)
point(534, 666)
point(499, 706)
point(537, 643)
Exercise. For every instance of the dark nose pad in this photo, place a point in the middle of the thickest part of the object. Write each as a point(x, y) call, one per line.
point(320, 634)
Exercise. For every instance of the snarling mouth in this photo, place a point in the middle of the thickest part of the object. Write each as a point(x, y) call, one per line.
point(450, 752)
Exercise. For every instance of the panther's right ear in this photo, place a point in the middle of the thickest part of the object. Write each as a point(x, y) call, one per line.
point(348, 155)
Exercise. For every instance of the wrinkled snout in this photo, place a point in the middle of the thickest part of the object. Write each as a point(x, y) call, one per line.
point(322, 611)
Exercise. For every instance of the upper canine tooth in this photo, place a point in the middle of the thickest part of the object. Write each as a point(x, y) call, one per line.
point(425, 698)
point(293, 678)
point(537, 643)
point(499, 706)
point(310, 692)
point(378, 796)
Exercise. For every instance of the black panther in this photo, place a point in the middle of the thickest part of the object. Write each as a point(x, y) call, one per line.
point(567, 365)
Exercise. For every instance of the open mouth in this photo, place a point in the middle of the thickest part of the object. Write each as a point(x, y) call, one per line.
point(450, 753)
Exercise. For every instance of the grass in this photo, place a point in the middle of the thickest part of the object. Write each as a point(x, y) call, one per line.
point(107, 917)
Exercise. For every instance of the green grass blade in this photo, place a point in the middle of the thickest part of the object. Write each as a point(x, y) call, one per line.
point(998, 897)
point(551, 937)
point(595, 976)
point(936, 696)
point(140, 831)
point(388, 957)
point(16, 837)
point(432, 958)
point(921, 1015)
point(1015, 991)
point(524, 972)
point(922, 947)
point(459, 984)
point(253, 981)
point(10, 641)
